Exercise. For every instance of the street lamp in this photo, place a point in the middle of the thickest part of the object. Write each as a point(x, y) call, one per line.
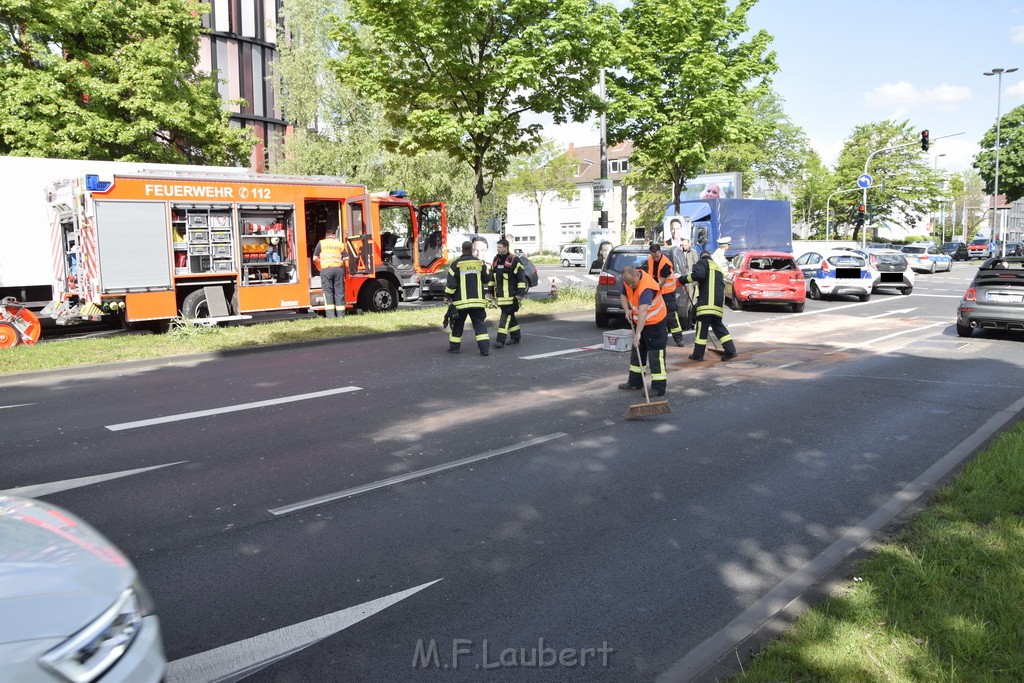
point(995, 195)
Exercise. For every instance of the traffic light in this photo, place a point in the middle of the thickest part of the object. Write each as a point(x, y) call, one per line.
point(924, 140)
point(860, 215)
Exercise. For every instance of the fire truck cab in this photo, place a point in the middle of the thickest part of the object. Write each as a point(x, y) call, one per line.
point(152, 247)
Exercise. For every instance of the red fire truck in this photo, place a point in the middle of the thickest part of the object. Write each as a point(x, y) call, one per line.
point(152, 247)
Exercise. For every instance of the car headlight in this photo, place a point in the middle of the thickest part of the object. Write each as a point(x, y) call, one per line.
point(88, 654)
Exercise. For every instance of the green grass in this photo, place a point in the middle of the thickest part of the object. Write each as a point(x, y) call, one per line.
point(942, 601)
point(187, 339)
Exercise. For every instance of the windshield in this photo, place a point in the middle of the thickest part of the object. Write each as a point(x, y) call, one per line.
point(889, 259)
point(981, 240)
point(771, 263)
point(914, 250)
point(851, 260)
point(618, 260)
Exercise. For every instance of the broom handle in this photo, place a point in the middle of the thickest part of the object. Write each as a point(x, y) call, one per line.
point(643, 377)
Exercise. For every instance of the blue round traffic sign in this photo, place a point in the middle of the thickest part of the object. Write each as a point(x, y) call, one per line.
point(864, 181)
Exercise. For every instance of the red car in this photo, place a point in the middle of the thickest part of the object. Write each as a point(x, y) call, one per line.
point(978, 248)
point(765, 277)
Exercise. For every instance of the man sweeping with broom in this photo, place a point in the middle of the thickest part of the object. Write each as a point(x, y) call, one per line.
point(646, 311)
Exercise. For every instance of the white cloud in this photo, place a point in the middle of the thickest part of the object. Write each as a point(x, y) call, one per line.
point(828, 151)
point(1016, 90)
point(1017, 34)
point(901, 94)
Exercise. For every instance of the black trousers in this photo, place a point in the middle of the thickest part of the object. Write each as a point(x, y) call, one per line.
point(479, 318)
point(508, 324)
point(653, 340)
point(672, 319)
point(714, 324)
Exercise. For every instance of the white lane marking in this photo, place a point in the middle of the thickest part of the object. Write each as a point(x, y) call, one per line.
point(242, 659)
point(898, 310)
point(37, 490)
point(940, 296)
point(535, 356)
point(229, 409)
point(879, 339)
point(418, 474)
point(17, 405)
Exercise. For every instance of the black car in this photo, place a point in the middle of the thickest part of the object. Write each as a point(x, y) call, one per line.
point(432, 285)
point(607, 294)
point(1014, 249)
point(958, 250)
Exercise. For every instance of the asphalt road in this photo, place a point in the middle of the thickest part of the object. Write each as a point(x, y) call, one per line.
point(380, 510)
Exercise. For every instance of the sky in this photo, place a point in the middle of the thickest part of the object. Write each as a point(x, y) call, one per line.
point(844, 63)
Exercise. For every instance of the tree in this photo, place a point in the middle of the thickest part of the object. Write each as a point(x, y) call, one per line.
point(905, 186)
point(1011, 155)
point(111, 80)
point(457, 76)
point(687, 84)
point(968, 203)
point(771, 147)
point(810, 194)
point(545, 173)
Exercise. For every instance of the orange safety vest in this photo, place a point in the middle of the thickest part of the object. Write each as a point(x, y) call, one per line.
point(331, 252)
point(657, 311)
point(670, 285)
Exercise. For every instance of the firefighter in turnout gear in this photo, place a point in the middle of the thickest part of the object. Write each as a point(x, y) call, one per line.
point(661, 268)
point(329, 259)
point(508, 280)
point(645, 307)
point(710, 281)
point(467, 276)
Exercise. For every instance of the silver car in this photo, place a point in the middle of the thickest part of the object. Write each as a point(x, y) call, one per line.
point(995, 299)
point(71, 605)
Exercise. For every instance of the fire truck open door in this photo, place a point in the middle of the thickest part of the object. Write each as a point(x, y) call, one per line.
point(431, 243)
point(359, 237)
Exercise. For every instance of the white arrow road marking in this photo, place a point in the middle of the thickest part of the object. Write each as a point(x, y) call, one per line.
point(229, 409)
point(899, 310)
point(535, 356)
point(418, 474)
point(36, 490)
point(17, 405)
point(242, 659)
point(878, 339)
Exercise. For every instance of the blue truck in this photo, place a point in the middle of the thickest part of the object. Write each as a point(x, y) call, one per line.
point(751, 223)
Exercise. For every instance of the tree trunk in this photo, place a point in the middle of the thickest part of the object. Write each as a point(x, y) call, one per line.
point(537, 199)
point(479, 193)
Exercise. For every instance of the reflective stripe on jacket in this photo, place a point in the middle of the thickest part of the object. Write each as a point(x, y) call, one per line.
point(655, 272)
point(331, 253)
point(466, 277)
point(711, 285)
point(657, 311)
point(508, 278)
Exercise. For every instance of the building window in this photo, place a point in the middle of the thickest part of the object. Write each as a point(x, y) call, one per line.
point(624, 165)
point(571, 231)
point(614, 166)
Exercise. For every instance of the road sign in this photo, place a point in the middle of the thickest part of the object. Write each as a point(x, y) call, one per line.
point(864, 181)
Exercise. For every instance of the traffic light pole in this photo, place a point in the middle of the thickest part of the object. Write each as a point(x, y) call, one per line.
point(864, 199)
point(602, 222)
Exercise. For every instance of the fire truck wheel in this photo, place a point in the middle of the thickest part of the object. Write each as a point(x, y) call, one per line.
point(378, 296)
point(8, 336)
point(195, 306)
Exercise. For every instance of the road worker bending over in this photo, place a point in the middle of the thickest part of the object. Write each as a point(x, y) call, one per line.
point(645, 309)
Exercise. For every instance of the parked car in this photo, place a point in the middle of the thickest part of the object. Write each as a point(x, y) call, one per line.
point(927, 258)
point(836, 272)
point(71, 605)
point(889, 270)
point(765, 277)
point(432, 286)
point(978, 248)
point(607, 294)
point(881, 245)
point(573, 255)
point(995, 299)
point(956, 250)
point(1014, 249)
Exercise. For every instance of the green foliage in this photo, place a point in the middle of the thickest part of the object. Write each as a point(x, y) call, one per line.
point(687, 85)
point(457, 76)
point(905, 184)
point(810, 194)
point(545, 173)
point(109, 79)
point(772, 147)
point(1011, 156)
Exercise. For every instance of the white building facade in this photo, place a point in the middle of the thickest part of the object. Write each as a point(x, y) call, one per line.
point(564, 222)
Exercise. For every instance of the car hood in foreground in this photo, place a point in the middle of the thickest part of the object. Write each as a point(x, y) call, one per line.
point(57, 573)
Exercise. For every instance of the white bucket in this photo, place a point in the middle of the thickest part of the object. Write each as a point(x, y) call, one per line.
point(618, 340)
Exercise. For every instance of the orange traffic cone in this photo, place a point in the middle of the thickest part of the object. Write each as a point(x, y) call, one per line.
point(554, 287)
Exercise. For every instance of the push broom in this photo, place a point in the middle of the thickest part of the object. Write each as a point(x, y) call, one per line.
point(638, 410)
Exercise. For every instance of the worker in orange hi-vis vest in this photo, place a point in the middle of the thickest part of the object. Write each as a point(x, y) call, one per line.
point(329, 259)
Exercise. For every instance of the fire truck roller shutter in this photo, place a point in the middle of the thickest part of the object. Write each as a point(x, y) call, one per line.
point(133, 244)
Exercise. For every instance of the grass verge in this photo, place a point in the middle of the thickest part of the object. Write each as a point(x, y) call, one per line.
point(186, 338)
point(942, 601)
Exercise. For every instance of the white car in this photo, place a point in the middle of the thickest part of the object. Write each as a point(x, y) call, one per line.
point(573, 255)
point(71, 605)
point(889, 270)
point(836, 272)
